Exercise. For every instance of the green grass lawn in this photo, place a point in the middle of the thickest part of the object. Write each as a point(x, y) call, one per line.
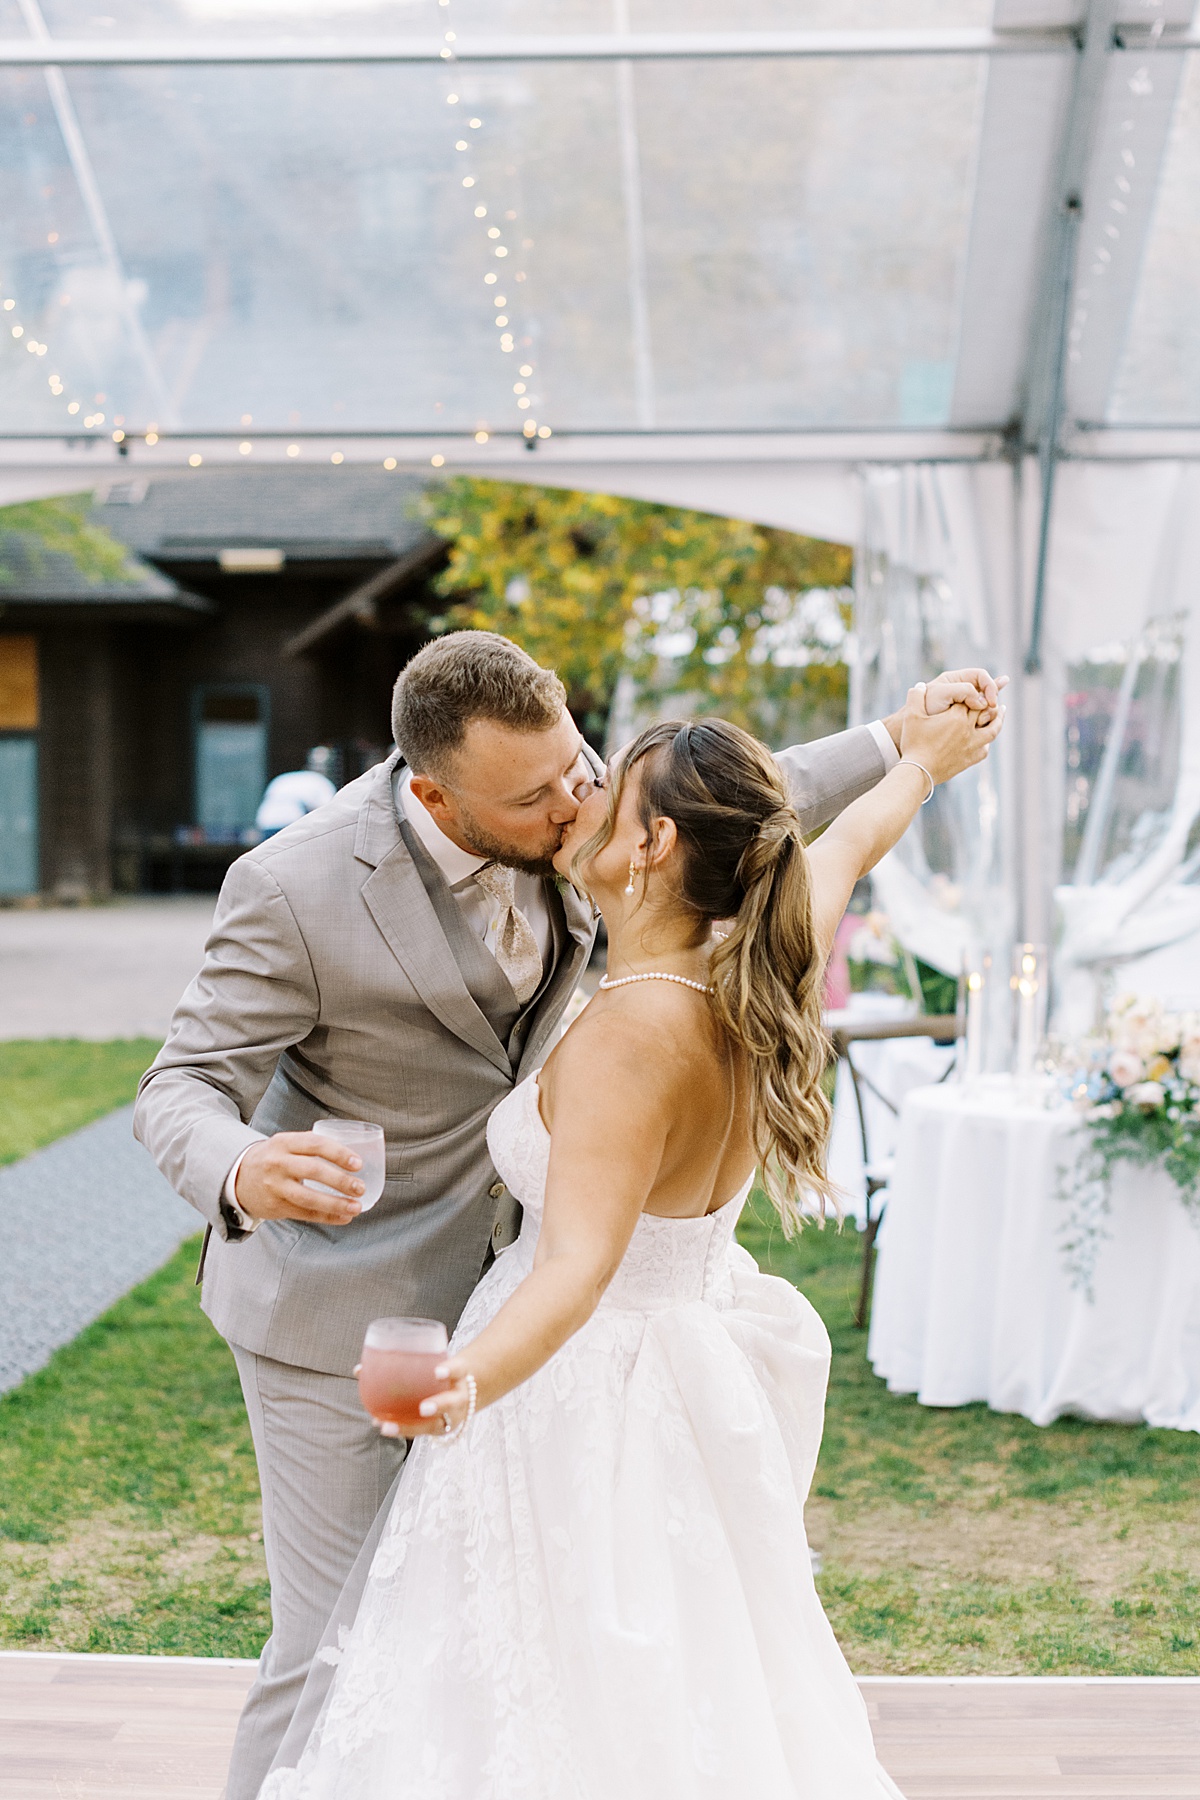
point(962, 1541)
point(49, 1088)
point(956, 1542)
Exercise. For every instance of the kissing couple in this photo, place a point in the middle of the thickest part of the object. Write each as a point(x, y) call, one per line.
point(588, 1579)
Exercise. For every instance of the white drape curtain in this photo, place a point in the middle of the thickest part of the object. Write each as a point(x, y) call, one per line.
point(928, 597)
point(1126, 571)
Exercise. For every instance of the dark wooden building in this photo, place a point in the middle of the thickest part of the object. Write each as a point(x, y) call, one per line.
point(262, 612)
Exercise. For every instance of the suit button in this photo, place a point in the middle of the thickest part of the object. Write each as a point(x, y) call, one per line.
point(497, 1233)
point(496, 1190)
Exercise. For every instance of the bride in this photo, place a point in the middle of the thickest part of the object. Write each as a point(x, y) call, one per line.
point(598, 1587)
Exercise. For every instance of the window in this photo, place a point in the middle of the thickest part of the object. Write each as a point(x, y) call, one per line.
point(231, 757)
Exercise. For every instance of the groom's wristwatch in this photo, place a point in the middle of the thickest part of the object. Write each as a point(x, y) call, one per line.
point(235, 1219)
point(238, 1222)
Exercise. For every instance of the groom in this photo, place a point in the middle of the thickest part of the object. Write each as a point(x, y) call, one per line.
point(402, 955)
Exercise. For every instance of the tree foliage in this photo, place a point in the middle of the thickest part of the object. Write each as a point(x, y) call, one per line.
point(694, 606)
point(34, 531)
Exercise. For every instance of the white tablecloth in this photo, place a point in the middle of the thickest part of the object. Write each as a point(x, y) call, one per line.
point(973, 1299)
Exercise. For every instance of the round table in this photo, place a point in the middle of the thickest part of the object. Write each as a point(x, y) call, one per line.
point(974, 1299)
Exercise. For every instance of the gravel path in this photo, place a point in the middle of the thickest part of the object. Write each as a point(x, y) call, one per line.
point(99, 972)
point(81, 1222)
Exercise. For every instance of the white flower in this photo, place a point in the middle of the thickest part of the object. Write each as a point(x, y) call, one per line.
point(1109, 1110)
point(1146, 1093)
point(1189, 1058)
point(873, 942)
point(1126, 1068)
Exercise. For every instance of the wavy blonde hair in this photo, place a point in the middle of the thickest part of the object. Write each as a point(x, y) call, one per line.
point(742, 859)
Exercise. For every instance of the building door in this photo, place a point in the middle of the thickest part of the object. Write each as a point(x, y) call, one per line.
point(231, 758)
point(18, 765)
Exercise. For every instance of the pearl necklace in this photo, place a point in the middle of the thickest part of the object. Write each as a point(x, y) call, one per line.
point(654, 975)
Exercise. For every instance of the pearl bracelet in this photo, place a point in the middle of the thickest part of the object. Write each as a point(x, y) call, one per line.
point(914, 764)
point(456, 1431)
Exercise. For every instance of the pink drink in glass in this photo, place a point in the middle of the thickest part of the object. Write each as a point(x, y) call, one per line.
point(396, 1373)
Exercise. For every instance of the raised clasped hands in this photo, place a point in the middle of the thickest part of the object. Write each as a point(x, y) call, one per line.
point(975, 689)
point(950, 724)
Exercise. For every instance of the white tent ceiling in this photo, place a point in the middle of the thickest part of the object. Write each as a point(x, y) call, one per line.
point(729, 256)
point(777, 231)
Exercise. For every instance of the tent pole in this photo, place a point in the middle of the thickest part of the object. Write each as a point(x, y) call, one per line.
point(1049, 448)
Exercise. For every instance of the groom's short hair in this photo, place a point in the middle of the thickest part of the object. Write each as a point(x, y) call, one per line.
point(463, 676)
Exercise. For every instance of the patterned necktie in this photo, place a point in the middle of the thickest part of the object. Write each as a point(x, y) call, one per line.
point(514, 945)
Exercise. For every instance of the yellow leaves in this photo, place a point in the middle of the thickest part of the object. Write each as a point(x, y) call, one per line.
point(584, 562)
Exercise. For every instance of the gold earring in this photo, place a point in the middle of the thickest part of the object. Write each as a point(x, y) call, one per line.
point(632, 873)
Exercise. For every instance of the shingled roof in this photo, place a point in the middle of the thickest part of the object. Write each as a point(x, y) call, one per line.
point(35, 577)
point(308, 514)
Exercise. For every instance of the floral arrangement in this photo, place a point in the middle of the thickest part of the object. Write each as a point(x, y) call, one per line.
point(1136, 1085)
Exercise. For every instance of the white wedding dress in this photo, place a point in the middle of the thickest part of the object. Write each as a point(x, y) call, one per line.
point(603, 1591)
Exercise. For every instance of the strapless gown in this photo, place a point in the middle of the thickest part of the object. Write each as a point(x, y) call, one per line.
point(604, 1591)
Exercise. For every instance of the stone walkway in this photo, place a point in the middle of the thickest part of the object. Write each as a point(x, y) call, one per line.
point(99, 971)
point(81, 1222)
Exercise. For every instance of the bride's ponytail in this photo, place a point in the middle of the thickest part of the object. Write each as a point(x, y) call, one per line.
point(768, 983)
point(743, 861)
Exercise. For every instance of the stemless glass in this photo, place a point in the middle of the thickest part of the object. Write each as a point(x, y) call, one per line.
point(366, 1141)
point(396, 1372)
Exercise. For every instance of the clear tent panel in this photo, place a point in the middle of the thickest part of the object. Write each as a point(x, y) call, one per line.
point(756, 243)
point(1158, 378)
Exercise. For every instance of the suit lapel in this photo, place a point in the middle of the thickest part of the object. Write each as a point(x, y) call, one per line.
point(396, 899)
point(574, 933)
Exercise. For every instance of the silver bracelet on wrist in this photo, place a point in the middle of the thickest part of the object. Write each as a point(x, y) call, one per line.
point(914, 764)
point(455, 1431)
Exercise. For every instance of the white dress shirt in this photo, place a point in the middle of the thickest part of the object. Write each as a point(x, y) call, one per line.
point(887, 748)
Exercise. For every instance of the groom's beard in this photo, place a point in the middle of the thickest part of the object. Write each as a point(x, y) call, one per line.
point(496, 850)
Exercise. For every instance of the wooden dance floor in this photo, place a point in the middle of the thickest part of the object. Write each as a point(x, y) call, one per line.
point(159, 1728)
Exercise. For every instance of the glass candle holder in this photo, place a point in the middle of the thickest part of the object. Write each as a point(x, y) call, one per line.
point(973, 990)
point(1030, 986)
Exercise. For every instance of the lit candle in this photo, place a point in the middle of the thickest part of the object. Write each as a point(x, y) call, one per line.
point(1029, 983)
point(974, 1024)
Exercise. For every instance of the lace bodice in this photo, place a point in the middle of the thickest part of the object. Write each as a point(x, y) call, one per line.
point(668, 1262)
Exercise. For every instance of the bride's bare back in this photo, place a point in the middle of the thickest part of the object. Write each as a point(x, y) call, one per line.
point(654, 1044)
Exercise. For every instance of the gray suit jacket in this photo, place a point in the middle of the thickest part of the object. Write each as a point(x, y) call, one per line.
point(340, 979)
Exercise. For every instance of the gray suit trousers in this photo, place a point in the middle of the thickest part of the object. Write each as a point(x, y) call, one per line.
point(325, 1472)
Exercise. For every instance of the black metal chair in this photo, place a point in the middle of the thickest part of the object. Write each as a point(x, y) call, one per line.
point(844, 1032)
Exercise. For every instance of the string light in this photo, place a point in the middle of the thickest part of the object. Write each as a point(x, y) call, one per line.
point(293, 449)
point(337, 457)
point(35, 347)
point(194, 460)
point(245, 449)
point(389, 462)
point(507, 341)
point(437, 461)
point(151, 438)
point(1141, 86)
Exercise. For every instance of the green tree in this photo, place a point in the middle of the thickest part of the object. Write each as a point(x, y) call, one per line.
point(35, 530)
point(695, 606)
